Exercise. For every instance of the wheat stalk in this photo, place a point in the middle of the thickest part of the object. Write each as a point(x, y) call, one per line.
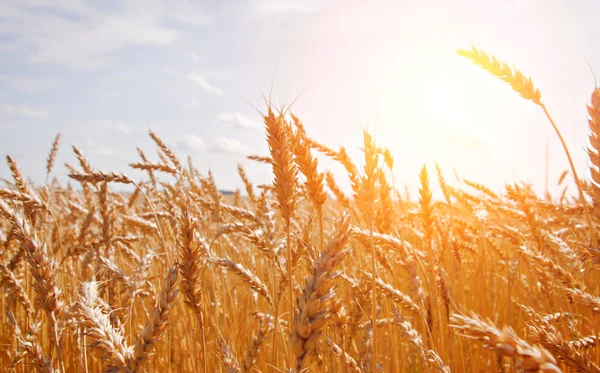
point(506, 343)
point(156, 326)
point(524, 86)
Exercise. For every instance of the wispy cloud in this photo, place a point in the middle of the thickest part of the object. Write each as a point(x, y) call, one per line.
point(202, 81)
point(237, 120)
point(191, 144)
point(25, 111)
point(30, 86)
point(230, 146)
point(78, 36)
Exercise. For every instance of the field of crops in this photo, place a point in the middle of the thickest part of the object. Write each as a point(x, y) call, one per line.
point(299, 275)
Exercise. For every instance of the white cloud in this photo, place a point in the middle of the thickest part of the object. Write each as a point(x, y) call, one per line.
point(191, 144)
point(201, 81)
point(194, 56)
point(193, 103)
point(25, 111)
point(78, 36)
point(237, 120)
point(30, 86)
point(230, 146)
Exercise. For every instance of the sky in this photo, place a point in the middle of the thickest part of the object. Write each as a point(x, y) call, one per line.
point(103, 73)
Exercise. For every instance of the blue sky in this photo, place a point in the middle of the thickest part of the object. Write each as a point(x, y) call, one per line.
point(105, 72)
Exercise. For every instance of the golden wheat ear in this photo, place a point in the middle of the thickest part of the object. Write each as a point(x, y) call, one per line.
point(520, 83)
point(524, 87)
point(52, 155)
point(593, 109)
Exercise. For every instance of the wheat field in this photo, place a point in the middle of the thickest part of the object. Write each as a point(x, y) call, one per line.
point(299, 275)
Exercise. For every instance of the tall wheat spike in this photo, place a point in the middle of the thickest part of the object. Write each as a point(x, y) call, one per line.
point(524, 86)
point(520, 83)
point(593, 109)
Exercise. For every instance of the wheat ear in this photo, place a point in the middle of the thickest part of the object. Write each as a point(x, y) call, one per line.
point(524, 86)
point(157, 324)
point(506, 343)
point(314, 305)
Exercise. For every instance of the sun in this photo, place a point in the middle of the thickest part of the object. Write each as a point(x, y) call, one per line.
point(434, 99)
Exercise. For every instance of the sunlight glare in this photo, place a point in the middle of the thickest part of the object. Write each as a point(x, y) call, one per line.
point(435, 102)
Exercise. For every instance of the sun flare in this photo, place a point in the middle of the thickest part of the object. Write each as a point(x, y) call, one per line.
point(435, 99)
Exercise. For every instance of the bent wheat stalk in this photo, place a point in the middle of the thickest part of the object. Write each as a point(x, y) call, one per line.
point(524, 86)
point(505, 342)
